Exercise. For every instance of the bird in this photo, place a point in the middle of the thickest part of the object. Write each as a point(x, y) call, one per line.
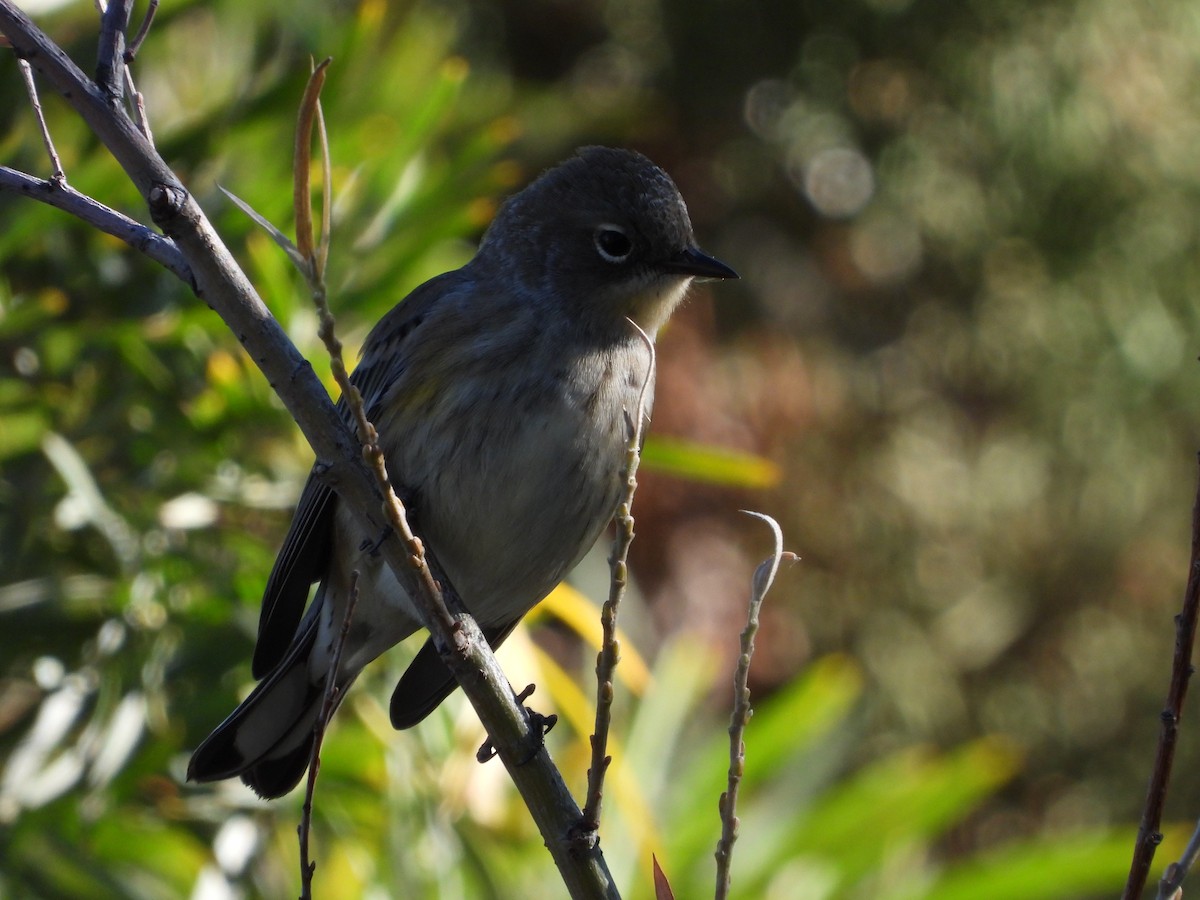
point(503, 394)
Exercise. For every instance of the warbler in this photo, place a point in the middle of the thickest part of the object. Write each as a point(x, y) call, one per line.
point(503, 394)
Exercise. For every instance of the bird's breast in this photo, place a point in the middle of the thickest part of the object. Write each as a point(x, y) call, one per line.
point(523, 474)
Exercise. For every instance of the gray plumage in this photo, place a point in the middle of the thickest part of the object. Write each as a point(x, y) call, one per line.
point(501, 393)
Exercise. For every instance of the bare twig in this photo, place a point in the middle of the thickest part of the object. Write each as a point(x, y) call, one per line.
point(62, 196)
point(610, 648)
point(1171, 884)
point(139, 106)
point(328, 705)
point(1149, 836)
point(764, 575)
point(144, 29)
point(58, 176)
point(136, 101)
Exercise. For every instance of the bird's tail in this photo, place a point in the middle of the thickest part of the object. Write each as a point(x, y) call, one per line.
point(268, 739)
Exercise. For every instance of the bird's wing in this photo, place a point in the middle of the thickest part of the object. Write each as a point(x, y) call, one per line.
point(304, 557)
point(388, 349)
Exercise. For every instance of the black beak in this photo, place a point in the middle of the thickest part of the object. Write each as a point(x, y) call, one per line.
point(693, 262)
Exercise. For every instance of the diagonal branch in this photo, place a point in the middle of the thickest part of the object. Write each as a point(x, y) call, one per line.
point(1149, 836)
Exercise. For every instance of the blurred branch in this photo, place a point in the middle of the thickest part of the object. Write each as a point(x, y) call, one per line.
point(610, 648)
point(62, 196)
point(89, 502)
point(219, 281)
point(144, 29)
point(1149, 836)
point(764, 575)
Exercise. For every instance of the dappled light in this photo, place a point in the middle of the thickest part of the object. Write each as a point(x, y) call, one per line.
point(959, 368)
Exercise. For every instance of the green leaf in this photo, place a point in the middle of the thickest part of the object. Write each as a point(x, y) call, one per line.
point(714, 465)
point(22, 432)
point(1044, 868)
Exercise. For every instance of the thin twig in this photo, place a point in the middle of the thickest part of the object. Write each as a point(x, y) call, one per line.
point(1149, 836)
point(138, 102)
point(764, 575)
point(328, 705)
point(62, 196)
point(1172, 880)
point(144, 29)
point(58, 176)
point(610, 648)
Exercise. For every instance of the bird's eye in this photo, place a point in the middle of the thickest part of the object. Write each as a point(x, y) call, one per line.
point(612, 243)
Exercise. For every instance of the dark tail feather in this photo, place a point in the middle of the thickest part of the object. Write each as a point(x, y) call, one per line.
point(427, 682)
point(276, 776)
point(268, 739)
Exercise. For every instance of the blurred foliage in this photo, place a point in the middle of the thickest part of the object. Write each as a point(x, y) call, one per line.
point(958, 370)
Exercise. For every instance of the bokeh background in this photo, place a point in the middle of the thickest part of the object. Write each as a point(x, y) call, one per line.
point(959, 369)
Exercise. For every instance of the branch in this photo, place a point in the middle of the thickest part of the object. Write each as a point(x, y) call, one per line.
point(1149, 836)
point(221, 283)
point(62, 196)
point(1171, 884)
point(136, 44)
point(764, 575)
point(610, 649)
point(57, 174)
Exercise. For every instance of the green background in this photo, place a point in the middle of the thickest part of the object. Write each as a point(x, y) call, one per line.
point(959, 369)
